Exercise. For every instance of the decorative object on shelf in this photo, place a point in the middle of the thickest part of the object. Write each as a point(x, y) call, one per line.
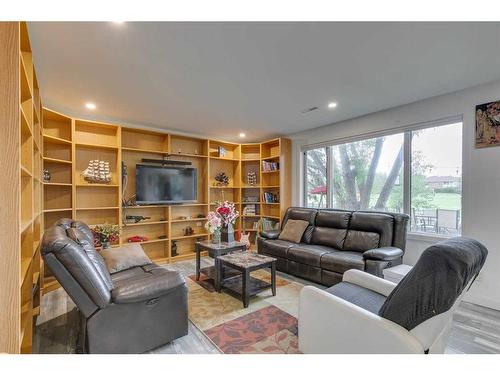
point(108, 234)
point(221, 152)
point(488, 124)
point(200, 216)
point(174, 249)
point(249, 210)
point(137, 239)
point(228, 215)
point(97, 172)
point(214, 226)
point(252, 178)
point(162, 236)
point(251, 199)
point(188, 231)
point(136, 218)
point(221, 179)
point(46, 175)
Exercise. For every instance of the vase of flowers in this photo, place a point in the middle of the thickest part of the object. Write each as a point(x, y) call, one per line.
point(214, 226)
point(107, 234)
point(228, 215)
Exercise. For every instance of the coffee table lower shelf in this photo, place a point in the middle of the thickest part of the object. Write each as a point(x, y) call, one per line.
point(234, 286)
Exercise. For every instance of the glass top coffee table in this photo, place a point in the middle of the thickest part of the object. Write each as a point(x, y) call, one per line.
point(243, 285)
point(215, 251)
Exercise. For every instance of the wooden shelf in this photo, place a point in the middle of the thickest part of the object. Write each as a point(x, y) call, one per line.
point(187, 220)
point(25, 225)
point(270, 158)
point(52, 139)
point(57, 161)
point(132, 149)
point(149, 241)
point(187, 237)
point(25, 172)
point(96, 185)
point(25, 266)
point(95, 145)
point(97, 208)
point(223, 158)
point(144, 223)
point(58, 210)
point(275, 171)
point(56, 184)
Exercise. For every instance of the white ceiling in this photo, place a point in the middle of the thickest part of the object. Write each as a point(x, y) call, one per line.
point(217, 79)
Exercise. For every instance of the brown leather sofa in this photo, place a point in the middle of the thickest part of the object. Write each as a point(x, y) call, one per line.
point(131, 311)
point(336, 241)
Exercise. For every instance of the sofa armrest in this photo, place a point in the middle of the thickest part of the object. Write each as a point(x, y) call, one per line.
point(146, 286)
point(369, 281)
point(353, 330)
point(383, 253)
point(270, 234)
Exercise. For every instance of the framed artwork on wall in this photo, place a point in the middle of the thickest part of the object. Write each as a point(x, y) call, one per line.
point(488, 124)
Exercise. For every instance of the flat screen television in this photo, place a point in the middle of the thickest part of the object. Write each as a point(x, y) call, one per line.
point(164, 184)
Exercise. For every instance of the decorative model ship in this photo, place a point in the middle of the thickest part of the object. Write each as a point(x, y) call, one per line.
point(97, 172)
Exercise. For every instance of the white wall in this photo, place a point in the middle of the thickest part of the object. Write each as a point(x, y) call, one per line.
point(481, 173)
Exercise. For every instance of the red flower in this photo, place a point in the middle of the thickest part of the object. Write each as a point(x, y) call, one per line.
point(223, 211)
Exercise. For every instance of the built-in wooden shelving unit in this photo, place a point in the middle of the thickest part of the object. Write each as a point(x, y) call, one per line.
point(101, 203)
point(22, 188)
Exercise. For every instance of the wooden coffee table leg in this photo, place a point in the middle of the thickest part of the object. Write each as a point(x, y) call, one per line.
point(218, 266)
point(198, 263)
point(245, 293)
point(273, 278)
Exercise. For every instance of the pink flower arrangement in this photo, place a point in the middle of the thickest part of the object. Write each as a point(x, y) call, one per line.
point(214, 222)
point(224, 214)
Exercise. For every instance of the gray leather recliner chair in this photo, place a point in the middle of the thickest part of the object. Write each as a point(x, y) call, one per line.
point(131, 311)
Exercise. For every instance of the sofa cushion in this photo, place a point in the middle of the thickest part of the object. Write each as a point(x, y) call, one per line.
point(308, 254)
point(362, 297)
point(277, 248)
point(125, 257)
point(331, 228)
point(357, 240)
point(87, 245)
point(341, 261)
point(300, 213)
point(293, 230)
point(144, 285)
point(373, 222)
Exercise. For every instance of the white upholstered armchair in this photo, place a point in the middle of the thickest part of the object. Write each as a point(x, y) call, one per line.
point(367, 314)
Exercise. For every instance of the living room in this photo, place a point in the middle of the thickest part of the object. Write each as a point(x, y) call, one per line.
point(185, 187)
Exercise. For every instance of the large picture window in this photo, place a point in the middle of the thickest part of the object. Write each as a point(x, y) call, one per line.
point(370, 175)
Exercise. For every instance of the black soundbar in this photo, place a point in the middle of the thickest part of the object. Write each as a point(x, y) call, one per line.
point(166, 162)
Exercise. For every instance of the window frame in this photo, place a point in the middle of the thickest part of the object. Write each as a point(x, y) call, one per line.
point(407, 154)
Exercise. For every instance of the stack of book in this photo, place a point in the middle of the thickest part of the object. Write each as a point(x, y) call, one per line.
point(269, 166)
point(249, 210)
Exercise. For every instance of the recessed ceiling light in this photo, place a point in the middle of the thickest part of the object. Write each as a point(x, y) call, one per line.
point(118, 22)
point(242, 135)
point(90, 105)
point(332, 105)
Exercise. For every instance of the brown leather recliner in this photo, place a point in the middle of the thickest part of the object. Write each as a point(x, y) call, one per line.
point(336, 241)
point(131, 311)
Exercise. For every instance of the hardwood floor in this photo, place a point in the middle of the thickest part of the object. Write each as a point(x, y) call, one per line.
point(476, 329)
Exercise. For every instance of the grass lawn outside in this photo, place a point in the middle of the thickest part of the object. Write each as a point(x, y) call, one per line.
point(449, 201)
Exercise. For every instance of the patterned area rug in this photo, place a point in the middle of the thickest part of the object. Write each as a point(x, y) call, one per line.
point(268, 325)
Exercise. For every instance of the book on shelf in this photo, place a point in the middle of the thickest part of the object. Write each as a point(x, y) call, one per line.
point(269, 166)
point(270, 197)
